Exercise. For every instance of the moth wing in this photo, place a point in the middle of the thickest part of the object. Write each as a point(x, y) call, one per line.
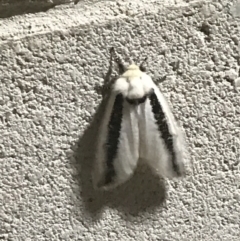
point(161, 139)
point(117, 151)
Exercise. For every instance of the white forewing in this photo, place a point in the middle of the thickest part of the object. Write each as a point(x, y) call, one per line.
point(100, 164)
point(153, 146)
point(127, 155)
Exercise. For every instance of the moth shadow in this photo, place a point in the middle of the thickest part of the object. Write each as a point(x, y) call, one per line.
point(140, 193)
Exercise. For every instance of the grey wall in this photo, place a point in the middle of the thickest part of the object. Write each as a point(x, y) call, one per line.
point(52, 64)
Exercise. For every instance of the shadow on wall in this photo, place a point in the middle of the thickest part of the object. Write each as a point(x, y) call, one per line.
point(142, 192)
point(9, 8)
point(22, 7)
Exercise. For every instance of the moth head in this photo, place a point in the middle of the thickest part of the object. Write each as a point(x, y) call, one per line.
point(133, 67)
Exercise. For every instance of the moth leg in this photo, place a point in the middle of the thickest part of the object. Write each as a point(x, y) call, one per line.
point(118, 60)
point(160, 79)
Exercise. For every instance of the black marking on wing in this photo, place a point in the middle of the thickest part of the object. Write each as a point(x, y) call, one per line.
point(137, 101)
point(114, 129)
point(162, 124)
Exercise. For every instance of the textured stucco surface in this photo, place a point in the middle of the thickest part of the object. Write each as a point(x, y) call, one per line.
point(51, 66)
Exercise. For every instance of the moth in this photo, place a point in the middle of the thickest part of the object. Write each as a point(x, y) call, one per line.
point(137, 124)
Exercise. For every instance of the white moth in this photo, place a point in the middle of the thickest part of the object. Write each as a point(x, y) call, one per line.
point(138, 123)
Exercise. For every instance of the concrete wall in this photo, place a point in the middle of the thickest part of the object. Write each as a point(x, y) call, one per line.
point(51, 65)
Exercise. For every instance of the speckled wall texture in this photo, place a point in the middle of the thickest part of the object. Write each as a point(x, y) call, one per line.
point(51, 65)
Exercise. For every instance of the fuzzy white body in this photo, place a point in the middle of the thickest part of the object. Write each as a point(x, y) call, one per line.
point(133, 83)
point(139, 135)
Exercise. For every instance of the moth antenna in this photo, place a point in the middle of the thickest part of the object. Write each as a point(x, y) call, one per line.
point(116, 58)
point(133, 61)
point(142, 66)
